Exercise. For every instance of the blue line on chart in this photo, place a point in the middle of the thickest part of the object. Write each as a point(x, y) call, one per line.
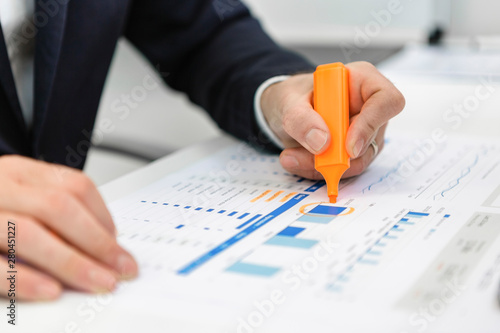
point(381, 179)
point(455, 183)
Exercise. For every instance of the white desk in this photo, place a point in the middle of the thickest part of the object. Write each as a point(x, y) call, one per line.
point(426, 103)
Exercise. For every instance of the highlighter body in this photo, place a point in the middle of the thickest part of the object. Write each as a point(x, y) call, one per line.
point(331, 101)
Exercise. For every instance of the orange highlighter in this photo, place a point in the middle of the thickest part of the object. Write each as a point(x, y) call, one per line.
point(331, 101)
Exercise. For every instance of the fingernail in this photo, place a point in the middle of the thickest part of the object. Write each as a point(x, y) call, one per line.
point(127, 267)
point(356, 150)
point(47, 291)
point(316, 139)
point(102, 281)
point(289, 162)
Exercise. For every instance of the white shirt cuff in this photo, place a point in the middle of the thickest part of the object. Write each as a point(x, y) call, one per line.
point(259, 115)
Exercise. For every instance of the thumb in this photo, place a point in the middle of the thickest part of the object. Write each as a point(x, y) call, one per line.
point(306, 127)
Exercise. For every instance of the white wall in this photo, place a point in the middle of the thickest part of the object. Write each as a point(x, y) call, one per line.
point(328, 22)
point(331, 21)
point(475, 17)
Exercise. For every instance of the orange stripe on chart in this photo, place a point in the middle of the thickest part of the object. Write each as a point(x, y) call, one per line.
point(261, 196)
point(288, 196)
point(274, 196)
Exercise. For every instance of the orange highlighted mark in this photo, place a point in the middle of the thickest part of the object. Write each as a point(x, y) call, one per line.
point(261, 196)
point(303, 210)
point(274, 196)
point(288, 196)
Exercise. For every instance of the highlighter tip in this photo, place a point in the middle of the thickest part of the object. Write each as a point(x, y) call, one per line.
point(333, 199)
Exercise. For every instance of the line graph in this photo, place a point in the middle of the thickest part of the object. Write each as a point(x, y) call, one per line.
point(465, 172)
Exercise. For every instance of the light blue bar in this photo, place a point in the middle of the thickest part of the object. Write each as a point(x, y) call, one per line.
point(251, 269)
point(375, 253)
point(316, 219)
point(380, 244)
point(368, 261)
point(241, 235)
point(390, 236)
point(406, 222)
point(292, 242)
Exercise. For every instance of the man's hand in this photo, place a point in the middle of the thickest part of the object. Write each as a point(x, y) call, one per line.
point(288, 108)
point(64, 232)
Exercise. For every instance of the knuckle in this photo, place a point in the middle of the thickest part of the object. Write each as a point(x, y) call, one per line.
point(56, 201)
point(80, 183)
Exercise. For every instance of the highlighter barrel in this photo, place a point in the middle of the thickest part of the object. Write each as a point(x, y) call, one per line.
point(331, 101)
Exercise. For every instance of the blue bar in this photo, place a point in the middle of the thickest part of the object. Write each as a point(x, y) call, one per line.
point(179, 226)
point(404, 220)
point(233, 213)
point(165, 204)
point(291, 231)
point(247, 222)
point(242, 234)
point(143, 200)
point(210, 210)
point(415, 214)
point(221, 211)
point(292, 242)
point(176, 205)
point(316, 186)
point(243, 216)
point(300, 180)
point(187, 207)
point(155, 202)
point(447, 215)
point(251, 269)
point(199, 208)
point(327, 210)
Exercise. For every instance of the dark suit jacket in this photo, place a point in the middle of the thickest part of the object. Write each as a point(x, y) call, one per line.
point(211, 49)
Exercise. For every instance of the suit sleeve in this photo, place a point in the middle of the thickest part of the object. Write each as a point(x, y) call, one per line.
point(214, 51)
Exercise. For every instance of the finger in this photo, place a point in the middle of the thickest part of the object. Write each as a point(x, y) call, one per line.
point(360, 164)
point(298, 120)
point(375, 100)
point(84, 190)
point(42, 249)
point(299, 162)
point(27, 171)
point(67, 217)
point(28, 284)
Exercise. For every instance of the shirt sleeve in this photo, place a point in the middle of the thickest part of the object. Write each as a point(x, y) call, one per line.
point(259, 115)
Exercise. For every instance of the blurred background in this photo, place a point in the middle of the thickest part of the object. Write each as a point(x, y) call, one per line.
point(137, 124)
